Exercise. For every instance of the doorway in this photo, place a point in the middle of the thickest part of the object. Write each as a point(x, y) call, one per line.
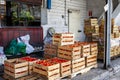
point(74, 24)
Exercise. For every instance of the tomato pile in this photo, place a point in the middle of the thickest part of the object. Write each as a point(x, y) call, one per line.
point(45, 62)
point(50, 62)
point(28, 58)
point(58, 60)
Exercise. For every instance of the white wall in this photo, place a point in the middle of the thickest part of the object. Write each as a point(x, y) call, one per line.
point(96, 6)
point(58, 18)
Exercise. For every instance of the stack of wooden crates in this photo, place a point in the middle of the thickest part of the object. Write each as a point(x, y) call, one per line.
point(96, 33)
point(91, 29)
point(83, 55)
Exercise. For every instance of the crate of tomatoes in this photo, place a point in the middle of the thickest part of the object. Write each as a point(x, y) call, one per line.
point(30, 61)
point(70, 52)
point(65, 66)
point(85, 48)
point(16, 68)
point(47, 68)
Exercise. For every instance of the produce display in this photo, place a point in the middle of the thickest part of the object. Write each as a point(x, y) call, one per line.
point(16, 68)
point(28, 58)
point(45, 62)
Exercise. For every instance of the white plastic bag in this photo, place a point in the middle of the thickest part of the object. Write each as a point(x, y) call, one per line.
point(2, 56)
point(26, 39)
point(1, 50)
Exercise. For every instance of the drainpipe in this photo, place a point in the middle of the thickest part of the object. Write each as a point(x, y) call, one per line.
point(107, 61)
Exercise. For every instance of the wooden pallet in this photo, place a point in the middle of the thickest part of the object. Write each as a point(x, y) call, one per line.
point(33, 76)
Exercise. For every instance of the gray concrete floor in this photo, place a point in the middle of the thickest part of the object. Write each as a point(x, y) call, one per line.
point(116, 76)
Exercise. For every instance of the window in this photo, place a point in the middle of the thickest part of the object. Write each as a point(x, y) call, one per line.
point(22, 14)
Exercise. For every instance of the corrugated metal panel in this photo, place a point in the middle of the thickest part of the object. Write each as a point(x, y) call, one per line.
point(57, 16)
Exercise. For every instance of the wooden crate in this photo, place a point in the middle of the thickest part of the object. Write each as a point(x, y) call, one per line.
point(112, 52)
point(16, 68)
point(63, 38)
point(30, 61)
point(85, 50)
point(115, 29)
point(51, 46)
point(65, 66)
point(49, 56)
point(78, 65)
point(70, 52)
point(51, 49)
point(52, 72)
point(91, 60)
point(116, 35)
point(93, 48)
point(92, 22)
point(95, 37)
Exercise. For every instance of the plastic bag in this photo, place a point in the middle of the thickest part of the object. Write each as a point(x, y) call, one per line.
point(26, 39)
point(15, 47)
point(1, 50)
point(2, 56)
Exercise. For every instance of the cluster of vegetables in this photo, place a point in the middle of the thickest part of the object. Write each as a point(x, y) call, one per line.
point(29, 59)
point(50, 62)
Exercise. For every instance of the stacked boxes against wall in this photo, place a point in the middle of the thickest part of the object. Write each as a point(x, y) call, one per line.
point(91, 29)
point(114, 41)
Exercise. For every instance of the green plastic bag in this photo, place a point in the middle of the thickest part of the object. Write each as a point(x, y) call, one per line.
point(14, 48)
